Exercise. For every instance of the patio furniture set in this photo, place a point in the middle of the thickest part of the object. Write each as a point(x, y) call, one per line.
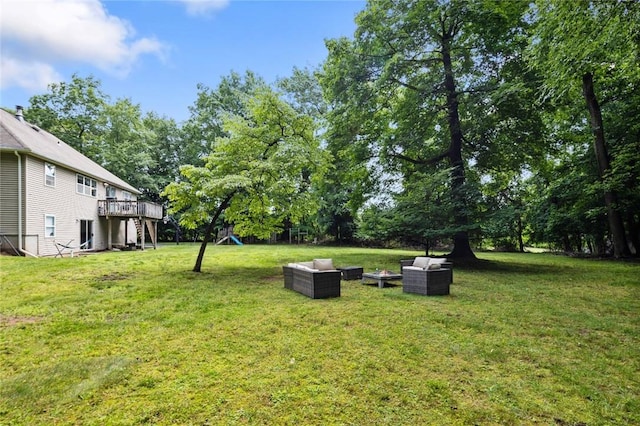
point(319, 278)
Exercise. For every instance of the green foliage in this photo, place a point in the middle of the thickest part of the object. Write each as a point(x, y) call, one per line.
point(209, 109)
point(303, 92)
point(568, 211)
point(596, 40)
point(127, 144)
point(144, 151)
point(334, 216)
point(420, 215)
point(381, 107)
point(168, 151)
point(265, 166)
point(575, 38)
point(73, 111)
point(429, 86)
point(506, 197)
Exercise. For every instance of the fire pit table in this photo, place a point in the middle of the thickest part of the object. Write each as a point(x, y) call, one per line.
point(381, 277)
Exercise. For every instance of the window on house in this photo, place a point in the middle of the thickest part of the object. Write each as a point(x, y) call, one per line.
point(49, 174)
point(111, 192)
point(49, 226)
point(126, 195)
point(86, 186)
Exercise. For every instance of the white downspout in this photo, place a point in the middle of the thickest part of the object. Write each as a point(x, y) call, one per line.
point(19, 200)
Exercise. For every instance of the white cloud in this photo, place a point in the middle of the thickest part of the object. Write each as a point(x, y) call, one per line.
point(61, 31)
point(204, 7)
point(33, 76)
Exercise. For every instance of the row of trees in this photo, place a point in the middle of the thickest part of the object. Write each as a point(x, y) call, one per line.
point(504, 98)
point(440, 122)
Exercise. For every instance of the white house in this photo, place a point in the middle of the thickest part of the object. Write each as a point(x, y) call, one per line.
point(52, 195)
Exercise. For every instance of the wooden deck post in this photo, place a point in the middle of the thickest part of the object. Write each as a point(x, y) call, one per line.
point(109, 233)
point(143, 224)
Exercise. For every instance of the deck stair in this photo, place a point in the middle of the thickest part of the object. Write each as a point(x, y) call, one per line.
point(141, 224)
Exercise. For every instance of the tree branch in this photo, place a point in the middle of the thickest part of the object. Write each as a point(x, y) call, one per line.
point(423, 162)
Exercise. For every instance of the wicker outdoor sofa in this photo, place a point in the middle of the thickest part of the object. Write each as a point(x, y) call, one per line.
point(427, 276)
point(317, 279)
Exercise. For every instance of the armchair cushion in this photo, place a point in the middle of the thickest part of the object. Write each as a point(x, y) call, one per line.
point(323, 264)
point(427, 262)
point(421, 262)
point(432, 266)
point(412, 268)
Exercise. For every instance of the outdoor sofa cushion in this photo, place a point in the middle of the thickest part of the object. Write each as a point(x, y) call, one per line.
point(421, 262)
point(323, 264)
point(428, 262)
point(315, 265)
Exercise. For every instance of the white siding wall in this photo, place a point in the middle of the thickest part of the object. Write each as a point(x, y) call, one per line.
point(9, 196)
point(67, 205)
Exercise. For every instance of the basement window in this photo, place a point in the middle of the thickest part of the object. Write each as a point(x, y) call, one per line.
point(49, 226)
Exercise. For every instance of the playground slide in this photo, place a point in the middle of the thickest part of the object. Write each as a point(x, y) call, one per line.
point(235, 240)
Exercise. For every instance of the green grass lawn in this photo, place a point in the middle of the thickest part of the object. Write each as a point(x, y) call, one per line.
point(137, 338)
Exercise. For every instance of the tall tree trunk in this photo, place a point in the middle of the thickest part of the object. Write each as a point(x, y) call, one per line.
point(520, 229)
point(427, 247)
point(461, 246)
point(616, 226)
point(207, 235)
point(566, 242)
point(634, 232)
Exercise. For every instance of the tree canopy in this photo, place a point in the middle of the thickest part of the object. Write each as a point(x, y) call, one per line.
point(414, 87)
point(258, 175)
point(593, 47)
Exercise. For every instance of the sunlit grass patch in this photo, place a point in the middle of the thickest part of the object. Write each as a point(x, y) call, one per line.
point(54, 384)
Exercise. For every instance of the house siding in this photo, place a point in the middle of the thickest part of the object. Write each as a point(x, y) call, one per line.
point(9, 196)
point(68, 206)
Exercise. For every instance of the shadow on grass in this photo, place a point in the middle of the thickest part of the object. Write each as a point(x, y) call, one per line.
point(370, 263)
point(386, 284)
point(483, 265)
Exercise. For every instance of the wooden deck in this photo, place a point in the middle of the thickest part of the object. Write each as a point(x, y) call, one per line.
point(132, 209)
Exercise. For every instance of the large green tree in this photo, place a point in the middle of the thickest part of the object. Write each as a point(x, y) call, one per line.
point(127, 144)
point(74, 111)
point(144, 151)
point(303, 91)
point(590, 51)
point(407, 91)
point(257, 175)
point(168, 151)
point(211, 106)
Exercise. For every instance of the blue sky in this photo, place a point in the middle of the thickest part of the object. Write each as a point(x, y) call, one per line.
point(155, 52)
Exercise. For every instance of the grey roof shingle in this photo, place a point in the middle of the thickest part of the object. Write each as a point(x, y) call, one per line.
point(21, 136)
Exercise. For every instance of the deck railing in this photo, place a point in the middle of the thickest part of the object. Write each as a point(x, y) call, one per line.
point(129, 208)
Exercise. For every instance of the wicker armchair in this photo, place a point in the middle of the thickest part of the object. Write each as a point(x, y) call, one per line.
point(429, 282)
point(444, 263)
